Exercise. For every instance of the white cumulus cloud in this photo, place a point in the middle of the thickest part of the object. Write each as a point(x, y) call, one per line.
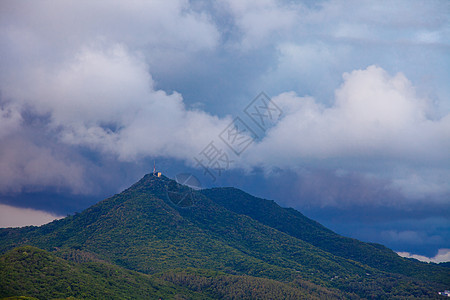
point(104, 98)
point(376, 119)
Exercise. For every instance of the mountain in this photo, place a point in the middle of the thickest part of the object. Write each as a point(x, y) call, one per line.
point(201, 241)
point(294, 223)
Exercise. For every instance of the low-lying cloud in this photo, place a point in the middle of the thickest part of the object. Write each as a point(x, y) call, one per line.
point(443, 255)
point(11, 216)
point(27, 166)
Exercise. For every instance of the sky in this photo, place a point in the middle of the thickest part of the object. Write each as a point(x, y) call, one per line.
point(340, 109)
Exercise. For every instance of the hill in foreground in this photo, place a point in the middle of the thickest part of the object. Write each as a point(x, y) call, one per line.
point(54, 277)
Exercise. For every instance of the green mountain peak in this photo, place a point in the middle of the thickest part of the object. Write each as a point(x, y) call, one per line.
point(162, 228)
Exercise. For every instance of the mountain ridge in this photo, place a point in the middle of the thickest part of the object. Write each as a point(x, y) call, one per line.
point(290, 221)
point(144, 230)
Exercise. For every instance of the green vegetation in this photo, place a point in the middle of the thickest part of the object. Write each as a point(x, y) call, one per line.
point(21, 298)
point(227, 243)
point(30, 271)
point(220, 285)
point(297, 225)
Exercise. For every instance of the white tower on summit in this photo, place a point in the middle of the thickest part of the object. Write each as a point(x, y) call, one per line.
point(157, 174)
